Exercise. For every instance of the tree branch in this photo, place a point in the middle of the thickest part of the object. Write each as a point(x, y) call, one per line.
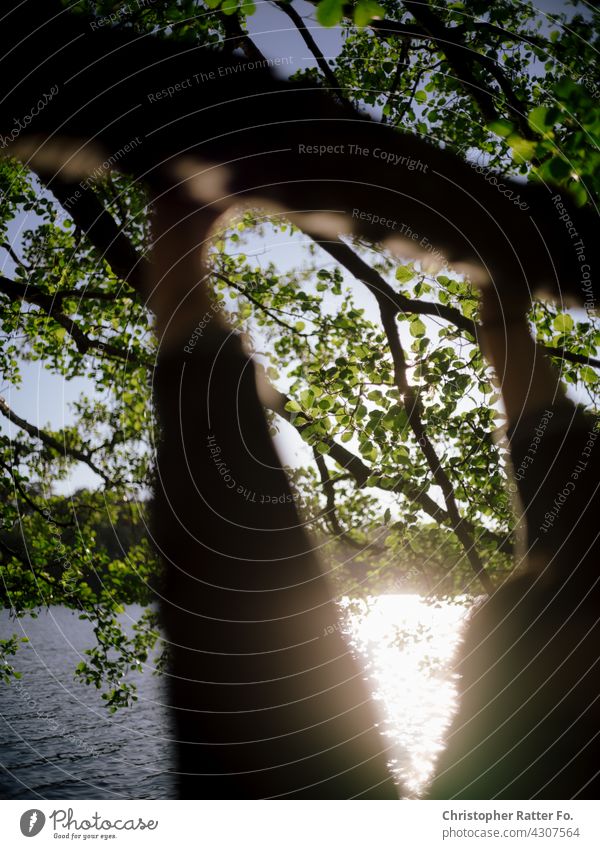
point(358, 470)
point(25, 560)
point(51, 441)
point(312, 45)
point(33, 295)
point(403, 64)
point(104, 233)
point(13, 255)
point(258, 304)
point(389, 306)
point(330, 513)
point(455, 33)
point(236, 37)
point(448, 40)
point(26, 497)
point(377, 284)
point(413, 411)
point(379, 287)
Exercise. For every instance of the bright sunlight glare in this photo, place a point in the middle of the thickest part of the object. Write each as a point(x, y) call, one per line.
point(410, 644)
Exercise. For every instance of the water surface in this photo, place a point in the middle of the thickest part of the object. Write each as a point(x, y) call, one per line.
point(57, 740)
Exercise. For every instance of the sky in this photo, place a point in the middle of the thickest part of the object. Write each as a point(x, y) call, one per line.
point(46, 398)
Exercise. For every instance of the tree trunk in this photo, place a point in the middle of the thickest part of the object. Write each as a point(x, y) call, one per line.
point(266, 696)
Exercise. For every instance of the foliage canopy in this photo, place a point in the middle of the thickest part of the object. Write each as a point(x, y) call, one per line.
point(511, 90)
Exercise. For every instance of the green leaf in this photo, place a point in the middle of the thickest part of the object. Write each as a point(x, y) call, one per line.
point(404, 273)
point(559, 168)
point(330, 12)
point(417, 328)
point(365, 11)
point(307, 396)
point(523, 149)
point(229, 7)
point(588, 375)
point(540, 118)
point(293, 407)
point(563, 323)
point(421, 96)
point(579, 194)
point(502, 127)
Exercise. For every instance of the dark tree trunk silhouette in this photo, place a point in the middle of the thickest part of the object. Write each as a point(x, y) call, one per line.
point(267, 698)
point(233, 138)
point(266, 701)
point(529, 719)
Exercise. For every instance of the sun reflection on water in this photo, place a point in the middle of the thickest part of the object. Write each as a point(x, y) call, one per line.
point(410, 644)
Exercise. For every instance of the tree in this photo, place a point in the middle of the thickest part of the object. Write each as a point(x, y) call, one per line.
point(388, 388)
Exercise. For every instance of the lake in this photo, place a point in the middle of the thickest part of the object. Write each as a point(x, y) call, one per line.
point(57, 740)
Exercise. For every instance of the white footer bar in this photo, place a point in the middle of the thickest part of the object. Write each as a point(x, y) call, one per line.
point(300, 824)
